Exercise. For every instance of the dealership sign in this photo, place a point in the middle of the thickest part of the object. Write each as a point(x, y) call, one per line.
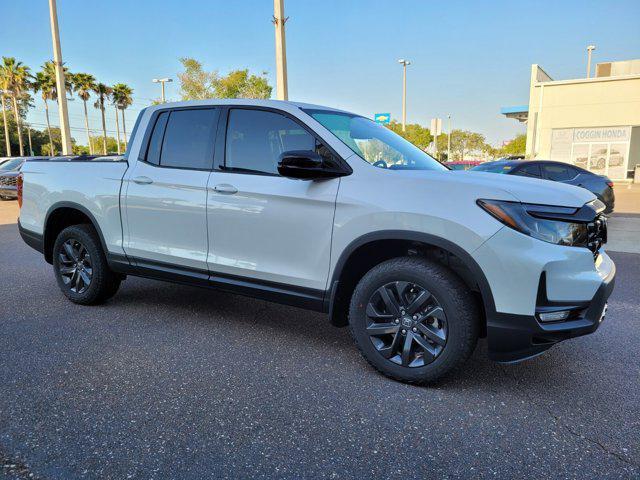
point(606, 134)
point(383, 118)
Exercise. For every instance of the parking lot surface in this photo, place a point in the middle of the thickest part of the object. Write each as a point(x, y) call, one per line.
point(167, 381)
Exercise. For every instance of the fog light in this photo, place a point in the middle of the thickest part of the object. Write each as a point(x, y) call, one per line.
point(554, 316)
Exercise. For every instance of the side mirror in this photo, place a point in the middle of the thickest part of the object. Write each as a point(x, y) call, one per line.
point(305, 165)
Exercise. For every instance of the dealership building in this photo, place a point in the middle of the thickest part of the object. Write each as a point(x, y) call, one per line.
point(593, 122)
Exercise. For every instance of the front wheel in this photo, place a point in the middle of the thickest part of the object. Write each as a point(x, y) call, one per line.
point(81, 268)
point(413, 320)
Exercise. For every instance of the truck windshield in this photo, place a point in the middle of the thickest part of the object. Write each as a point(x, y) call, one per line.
point(376, 144)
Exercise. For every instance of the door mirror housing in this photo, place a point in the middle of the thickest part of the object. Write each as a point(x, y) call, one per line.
point(305, 165)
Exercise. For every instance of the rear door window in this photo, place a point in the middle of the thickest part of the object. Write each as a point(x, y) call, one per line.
point(189, 139)
point(155, 143)
point(558, 173)
point(529, 170)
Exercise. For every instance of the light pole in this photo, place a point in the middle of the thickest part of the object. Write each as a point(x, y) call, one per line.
point(29, 136)
point(404, 64)
point(449, 139)
point(65, 132)
point(282, 86)
point(590, 49)
point(162, 81)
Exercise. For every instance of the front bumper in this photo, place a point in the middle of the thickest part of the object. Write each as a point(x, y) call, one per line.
point(513, 337)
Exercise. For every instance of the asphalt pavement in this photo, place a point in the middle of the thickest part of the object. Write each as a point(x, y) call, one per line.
point(168, 381)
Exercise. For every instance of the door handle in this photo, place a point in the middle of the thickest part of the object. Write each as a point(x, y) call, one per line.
point(225, 188)
point(142, 180)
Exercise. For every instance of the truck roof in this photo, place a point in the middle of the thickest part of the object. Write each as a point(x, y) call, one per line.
point(279, 104)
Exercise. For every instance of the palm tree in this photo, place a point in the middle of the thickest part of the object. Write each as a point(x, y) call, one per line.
point(45, 83)
point(122, 99)
point(103, 92)
point(83, 85)
point(4, 89)
point(17, 77)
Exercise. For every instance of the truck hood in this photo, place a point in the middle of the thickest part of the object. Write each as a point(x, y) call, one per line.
point(526, 190)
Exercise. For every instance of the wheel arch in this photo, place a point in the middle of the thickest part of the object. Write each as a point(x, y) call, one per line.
point(361, 255)
point(62, 215)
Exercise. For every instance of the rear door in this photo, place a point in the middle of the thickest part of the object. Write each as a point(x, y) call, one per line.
point(261, 225)
point(531, 170)
point(166, 191)
point(559, 172)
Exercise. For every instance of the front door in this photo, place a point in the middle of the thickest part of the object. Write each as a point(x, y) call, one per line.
point(262, 225)
point(166, 193)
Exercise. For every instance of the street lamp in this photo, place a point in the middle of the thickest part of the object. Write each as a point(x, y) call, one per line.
point(404, 64)
point(590, 49)
point(162, 81)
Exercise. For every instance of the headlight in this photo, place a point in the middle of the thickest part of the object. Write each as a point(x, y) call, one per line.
point(530, 220)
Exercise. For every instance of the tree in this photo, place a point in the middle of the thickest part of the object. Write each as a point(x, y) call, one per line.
point(16, 77)
point(198, 84)
point(122, 99)
point(45, 84)
point(104, 93)
point(195, 82)
point(464, 141)
point(39, 138)
point(517, 146)
point(4, 88)
point(83, 85)
point(239, 84)
point(417, 134)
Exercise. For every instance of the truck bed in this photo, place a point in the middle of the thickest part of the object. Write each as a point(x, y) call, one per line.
point(89, 183)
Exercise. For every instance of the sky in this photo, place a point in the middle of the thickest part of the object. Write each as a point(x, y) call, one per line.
point(468, 59)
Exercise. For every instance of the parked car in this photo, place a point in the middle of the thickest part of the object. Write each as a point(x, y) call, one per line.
point(462, 165)
point(329, 211)
point(9, 170)
point(600, 185)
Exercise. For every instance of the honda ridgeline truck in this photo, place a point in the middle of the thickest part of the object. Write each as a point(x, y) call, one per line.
point(326, 210)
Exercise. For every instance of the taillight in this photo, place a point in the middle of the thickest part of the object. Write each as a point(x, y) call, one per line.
point(19, 183)
point(610, 183)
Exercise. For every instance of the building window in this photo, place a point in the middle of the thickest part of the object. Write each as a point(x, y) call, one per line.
point(602, 150)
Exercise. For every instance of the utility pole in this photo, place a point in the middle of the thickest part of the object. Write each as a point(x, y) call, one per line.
point(590, 49)
point(60, 82)
point(282, 87)
point(449, 139)
point(162, 81)
point(117, 129)
point(29, 135)
point(404, 64)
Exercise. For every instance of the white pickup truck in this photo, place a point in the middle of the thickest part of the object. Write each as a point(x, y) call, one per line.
point(326, 210)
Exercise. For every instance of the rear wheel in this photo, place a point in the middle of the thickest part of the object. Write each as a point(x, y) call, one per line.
point(413, 320)
point(81, 267)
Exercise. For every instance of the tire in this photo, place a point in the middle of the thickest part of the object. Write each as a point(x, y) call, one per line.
point(87, 259)
point(446, 329)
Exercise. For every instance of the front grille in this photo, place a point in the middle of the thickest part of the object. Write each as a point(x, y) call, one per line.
point(8, 181)
point(597, 234)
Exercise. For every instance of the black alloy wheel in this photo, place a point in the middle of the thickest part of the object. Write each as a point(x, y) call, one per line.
point(407, 325)
point(75, 266)
point(81, 267)
point(413, 319)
